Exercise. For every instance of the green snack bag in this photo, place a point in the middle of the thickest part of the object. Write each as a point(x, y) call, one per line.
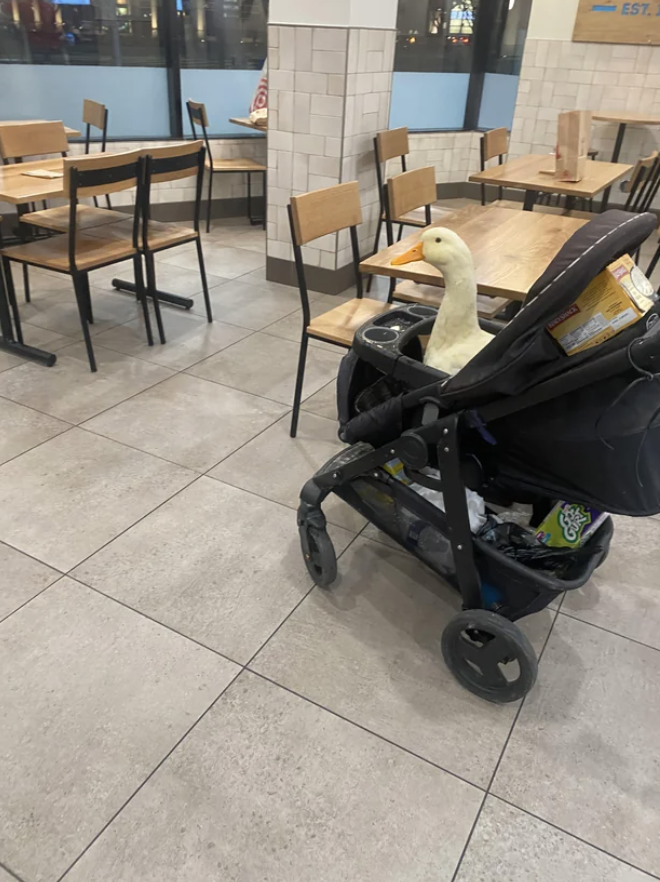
point(569, 525)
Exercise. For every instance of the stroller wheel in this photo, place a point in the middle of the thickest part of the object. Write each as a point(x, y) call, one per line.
point(319, 554)
point(489, 655)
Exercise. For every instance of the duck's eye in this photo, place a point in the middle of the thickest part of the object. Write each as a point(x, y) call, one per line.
point(438, 241)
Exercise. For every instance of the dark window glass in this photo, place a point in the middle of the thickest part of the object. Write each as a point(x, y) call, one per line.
point(507, 46)
point(96, 32)
point(223, 34)
point(436, 35)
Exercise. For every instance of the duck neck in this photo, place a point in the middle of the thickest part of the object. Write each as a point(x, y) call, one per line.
point(458, 313)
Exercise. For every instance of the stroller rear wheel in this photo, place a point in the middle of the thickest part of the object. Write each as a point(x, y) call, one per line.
point(319, 554)
point(489, 655)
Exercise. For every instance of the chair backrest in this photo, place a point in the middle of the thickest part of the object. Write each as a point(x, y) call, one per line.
point(410, 190)
point(32, 139)
point(643, 184)
point(321, 213)
point(172, 163)
point(99, 175)
point(198, 117)
point(392, 144)
point(493, 144)
point(95, 114)
point(325, 211)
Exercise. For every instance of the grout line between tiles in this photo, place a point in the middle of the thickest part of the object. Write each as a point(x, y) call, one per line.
point(11, 872)
point(149, 776)
point(34, 597)
point(574, 836)
point(607, 630)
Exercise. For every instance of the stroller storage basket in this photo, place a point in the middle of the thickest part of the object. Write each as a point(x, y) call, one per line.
point(421, 528)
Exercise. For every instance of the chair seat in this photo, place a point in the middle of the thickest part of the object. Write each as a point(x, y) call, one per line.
point(430, 295)
point(340, 324)
point(160, 235)
point(417, 218)
point(87, 218)
point(91, 251)
point(235, 165)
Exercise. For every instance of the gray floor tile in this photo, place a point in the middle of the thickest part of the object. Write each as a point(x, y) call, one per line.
point(248, 305)
point(258, 277)
point(264, 365)
point(584, 753)
point(5, 877)
point(510, 845)
point(623, 595)
point(369, 649)
point(269, 786)
point(254, 239)
point(216, 563)
point(190, 338)
point(186, 420)
point(70, 391)
point(218, 260)
point(41, 284)
point(43, 338)
point(8, 361)
point(22, 578)
point(93, 696)
point(324, 402)
point(277, 466)
point(65, 499)
point(24, 428)
point(59, 312)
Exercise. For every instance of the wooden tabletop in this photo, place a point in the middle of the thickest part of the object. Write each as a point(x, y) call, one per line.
point(531, 173)
point(18, 188)
point(245, 122)
point(626, 117)
point(511, 249)
point(70, 133)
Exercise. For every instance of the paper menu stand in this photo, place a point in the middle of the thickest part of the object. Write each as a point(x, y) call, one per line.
point(573, 144)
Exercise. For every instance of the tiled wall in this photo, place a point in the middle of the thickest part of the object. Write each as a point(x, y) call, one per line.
point(224, 186)
point(560, 75)
point(329, 93)
point(454, 155)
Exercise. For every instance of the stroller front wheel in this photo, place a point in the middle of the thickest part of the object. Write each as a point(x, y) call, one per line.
point(319, 554)
point(489, 656)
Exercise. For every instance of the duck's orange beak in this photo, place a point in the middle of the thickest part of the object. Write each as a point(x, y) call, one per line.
point(416, 253)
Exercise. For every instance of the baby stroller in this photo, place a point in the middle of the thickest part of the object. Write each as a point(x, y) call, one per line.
point(522, 422)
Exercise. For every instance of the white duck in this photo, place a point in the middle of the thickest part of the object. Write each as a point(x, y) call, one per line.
point(456, 337)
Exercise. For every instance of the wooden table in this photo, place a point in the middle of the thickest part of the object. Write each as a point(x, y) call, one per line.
point(511, 249)
point(532, 173)
point(624, 118)
point(245, 122)
point(70, 133)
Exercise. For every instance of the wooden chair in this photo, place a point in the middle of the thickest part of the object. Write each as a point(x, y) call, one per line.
point(493, 145)
point(311, 216)
point(198, 117)
point(162, 165)
point(95, 115)
point(77, 254)
point(391, 145)
point(414, 190)
point(642, 187)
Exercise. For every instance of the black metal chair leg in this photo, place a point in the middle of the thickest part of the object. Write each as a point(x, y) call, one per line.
point(249, 195)
point(654, 262)
point(300, 378)
point(205, 287)
point(88, 298)
point(11, 297)
point(208, 207)
point(141, 295)
point(81, 299)
point(398, 238)
point(26, 283)
point(152, 289)
point(379, 230)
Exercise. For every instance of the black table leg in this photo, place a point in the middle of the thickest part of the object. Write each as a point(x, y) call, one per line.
point(615, 158)
point(164, 296)
point(530, 200)
point(8, 342)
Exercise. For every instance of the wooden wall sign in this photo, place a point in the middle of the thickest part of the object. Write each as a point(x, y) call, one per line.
point(618, 22)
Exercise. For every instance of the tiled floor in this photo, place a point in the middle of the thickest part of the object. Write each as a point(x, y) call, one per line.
point(177, 704)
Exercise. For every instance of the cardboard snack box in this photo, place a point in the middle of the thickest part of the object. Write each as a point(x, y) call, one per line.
point(614, 300)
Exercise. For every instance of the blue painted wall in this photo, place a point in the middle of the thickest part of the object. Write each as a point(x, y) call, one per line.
point(429, 100)
point(226, 93)
point(136, 97)
point(498, 101)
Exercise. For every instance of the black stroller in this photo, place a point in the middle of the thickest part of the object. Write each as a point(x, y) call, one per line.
point(522, 422)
